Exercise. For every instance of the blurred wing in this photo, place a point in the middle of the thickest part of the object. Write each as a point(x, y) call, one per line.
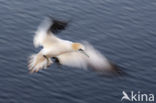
point(73, 59)
point(57, 26)
point(44, 35)
point(95, 60)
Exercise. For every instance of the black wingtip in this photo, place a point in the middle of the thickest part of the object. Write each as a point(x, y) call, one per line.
point(57, 25)
point(117, 70)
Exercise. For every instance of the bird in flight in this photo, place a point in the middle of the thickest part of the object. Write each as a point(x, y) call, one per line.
point(64, 52)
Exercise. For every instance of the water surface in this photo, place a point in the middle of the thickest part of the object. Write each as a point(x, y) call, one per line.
point(123, 30)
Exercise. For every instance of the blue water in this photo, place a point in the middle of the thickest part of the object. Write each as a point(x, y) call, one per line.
point(123, 30)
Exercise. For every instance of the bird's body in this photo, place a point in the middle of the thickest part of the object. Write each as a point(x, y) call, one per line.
point(55, 49)
point(80, 55)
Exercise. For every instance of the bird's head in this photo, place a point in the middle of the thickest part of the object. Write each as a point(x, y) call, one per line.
point(79, 47)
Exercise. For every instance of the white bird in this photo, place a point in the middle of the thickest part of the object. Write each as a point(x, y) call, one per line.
point(80, 55)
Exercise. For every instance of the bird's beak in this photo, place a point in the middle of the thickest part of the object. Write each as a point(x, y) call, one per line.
point(83, 52)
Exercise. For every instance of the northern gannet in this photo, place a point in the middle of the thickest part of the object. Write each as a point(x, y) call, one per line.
point(80, 55)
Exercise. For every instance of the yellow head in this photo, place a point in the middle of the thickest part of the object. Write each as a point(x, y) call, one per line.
point(79, 47)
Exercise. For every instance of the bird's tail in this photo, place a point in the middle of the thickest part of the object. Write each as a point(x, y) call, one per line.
point(37, 62)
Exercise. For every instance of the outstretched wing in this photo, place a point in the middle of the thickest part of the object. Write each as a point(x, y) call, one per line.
point(95, 60)
point(73, 59)
point(57, 26)
point(45, 33)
